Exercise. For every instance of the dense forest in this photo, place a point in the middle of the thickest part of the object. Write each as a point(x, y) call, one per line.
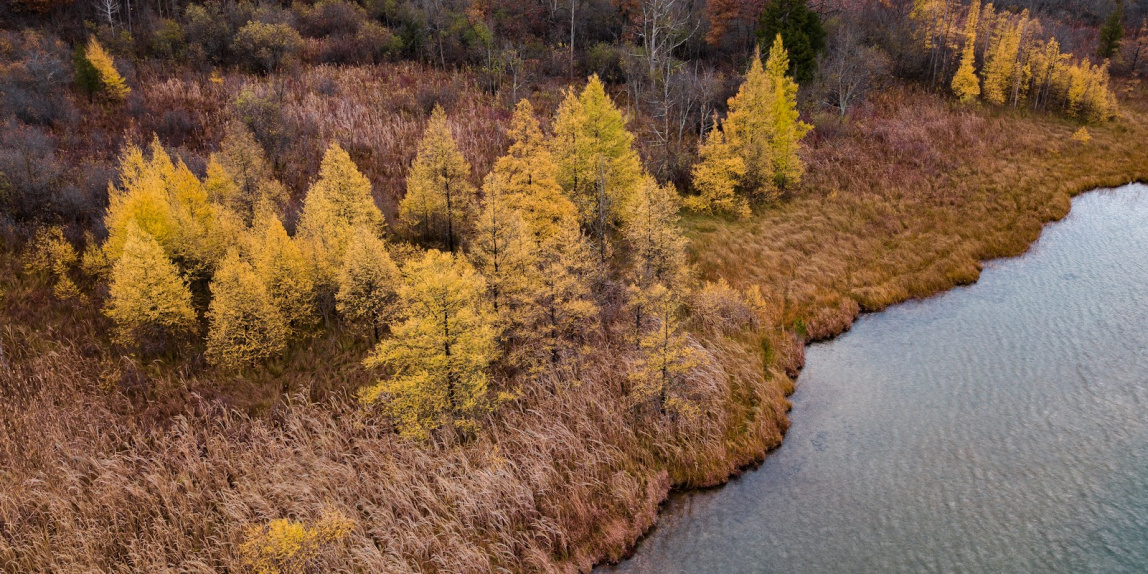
point(458, 286)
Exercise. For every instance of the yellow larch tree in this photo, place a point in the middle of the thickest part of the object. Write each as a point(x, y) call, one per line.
point(284, 269)
point(966, 86)
point(666, 358)
point(716, 177)
point(528, 178)
point(368, 283)
point(338, 202)
point(168, 202)
point(440, 200)
point(245, 325)
point(147, 298)
point(562, 312)
point(1002, 70)
point(597, 163)
point(657, 248)
point(439, 356)
point(748, 129)
point(503, 250)
point(53, 255)
point(112, 83)
point(787, 130)
point(239, 176)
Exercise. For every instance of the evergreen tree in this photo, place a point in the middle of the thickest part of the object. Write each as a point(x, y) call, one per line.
point(1112, 32)
point(112, 83)
point(246, 326)
point(802, 31)
point(440, 199)
point(285, 271)
point(966, 86)
point(87, 77)
point(148, 300)
point(597, 164)
point(716, 177)
point(787, 130)
point(441, 353)
point(368, 282)
point(338, 202)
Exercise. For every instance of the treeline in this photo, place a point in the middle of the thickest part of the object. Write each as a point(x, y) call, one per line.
point(1018, 64)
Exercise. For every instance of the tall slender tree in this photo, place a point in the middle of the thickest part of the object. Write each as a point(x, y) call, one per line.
point(966, 86)
point(597, 163)
point(440, 200)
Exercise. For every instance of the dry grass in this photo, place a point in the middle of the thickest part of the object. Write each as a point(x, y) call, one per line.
point(159, 472)
point(110, 465)
point(906, 200)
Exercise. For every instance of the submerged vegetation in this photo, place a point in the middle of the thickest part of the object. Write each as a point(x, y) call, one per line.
point(337, 313)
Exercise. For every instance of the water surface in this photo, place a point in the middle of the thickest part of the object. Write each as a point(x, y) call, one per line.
point(1000, 427)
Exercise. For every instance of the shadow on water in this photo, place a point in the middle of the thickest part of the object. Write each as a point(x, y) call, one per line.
point(999, 427)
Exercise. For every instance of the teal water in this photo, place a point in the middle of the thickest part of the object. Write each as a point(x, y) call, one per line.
point(999, 427)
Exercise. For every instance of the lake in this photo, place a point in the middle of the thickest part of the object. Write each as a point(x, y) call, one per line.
point(999, 427)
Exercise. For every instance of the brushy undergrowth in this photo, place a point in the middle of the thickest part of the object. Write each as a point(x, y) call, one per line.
point(111, 465)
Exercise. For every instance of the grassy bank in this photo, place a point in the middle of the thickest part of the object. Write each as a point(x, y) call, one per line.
point(110, 464)
point(908, 198)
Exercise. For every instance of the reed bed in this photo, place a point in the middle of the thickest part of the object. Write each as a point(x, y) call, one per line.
point(108, 464)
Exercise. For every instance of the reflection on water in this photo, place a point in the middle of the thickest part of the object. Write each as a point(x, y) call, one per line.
point(1001, 427)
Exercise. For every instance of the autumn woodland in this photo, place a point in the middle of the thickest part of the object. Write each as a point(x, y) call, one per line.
point(455, 286)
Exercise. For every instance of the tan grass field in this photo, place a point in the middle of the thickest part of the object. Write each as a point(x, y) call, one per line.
point(110, 465)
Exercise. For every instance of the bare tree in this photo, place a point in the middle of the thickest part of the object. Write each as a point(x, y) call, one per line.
point(107, 10)
point(849, 70)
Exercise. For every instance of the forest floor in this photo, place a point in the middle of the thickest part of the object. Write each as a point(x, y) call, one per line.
point(110, 464)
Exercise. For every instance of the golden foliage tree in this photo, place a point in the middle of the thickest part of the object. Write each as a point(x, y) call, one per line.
point(666, 357)
point(528, 178)
point(748, 129)
point(246, 326)
point(148, 300)
point(562, 312)
point(440, 199)
point(716, 177)
point(53, 255)
point(503, 250)
point(168, 202)
point(368, 282)
point(597, 164)
point(239, 176)
point(291, 547)
point(787, 130)
point(657, 246)
point(284, 269)
point(113, 85)
point(338, 202)
point(439, 356)
point(966, 86)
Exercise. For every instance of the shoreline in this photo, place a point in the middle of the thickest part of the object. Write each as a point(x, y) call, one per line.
point(1020, 239)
